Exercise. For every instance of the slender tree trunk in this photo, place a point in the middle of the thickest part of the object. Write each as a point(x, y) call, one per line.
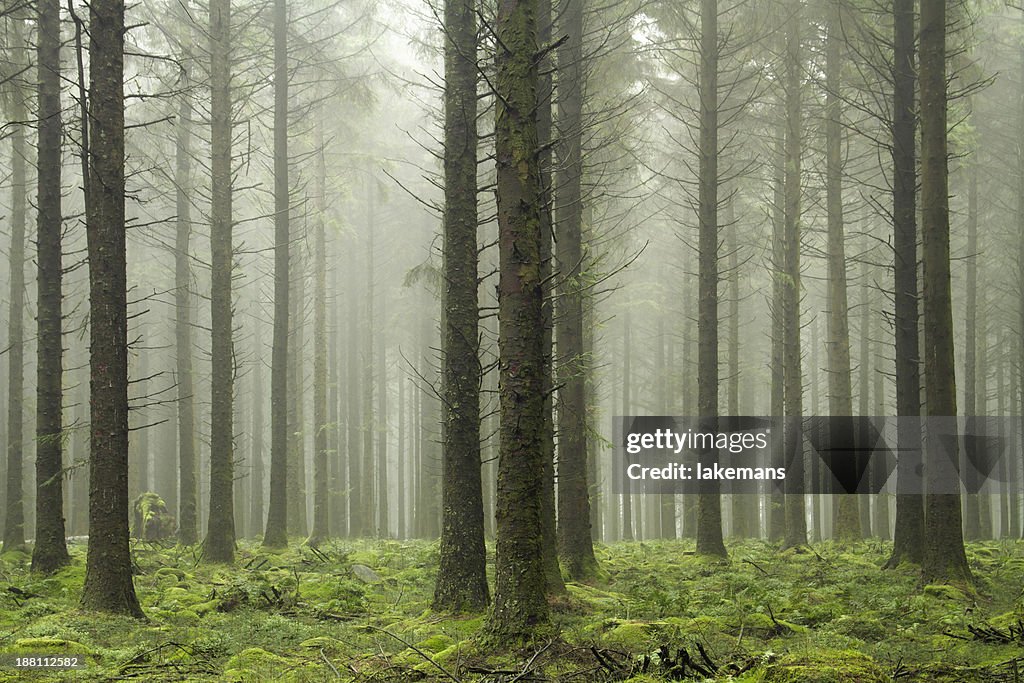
point(357, 513)
point(401, 485)
point(296, 474)
point(627, 406)
point(276, 533)
point(108, 568)
point(50, 551)
point(462, 576)
point(840, 391)
point(776, 502)
point(219, 545)
point(709, 507)
point(14, 521)
point(574, 534)
point(256, 449)
point(944, 556)
point(520, 605)
point(321, 505)
point(369, 424)
point(384, 524)
point(187, 523)
point(909, 528)
point(796, 520)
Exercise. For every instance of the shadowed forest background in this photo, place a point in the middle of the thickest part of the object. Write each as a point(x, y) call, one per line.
point(318, 316)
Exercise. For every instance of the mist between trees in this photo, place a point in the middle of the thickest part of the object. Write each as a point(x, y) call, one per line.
point(322, 269)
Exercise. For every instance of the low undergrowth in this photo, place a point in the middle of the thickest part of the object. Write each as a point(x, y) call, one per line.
point(360, 611)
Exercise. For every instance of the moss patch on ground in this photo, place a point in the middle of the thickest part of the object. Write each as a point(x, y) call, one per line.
point(658, 612)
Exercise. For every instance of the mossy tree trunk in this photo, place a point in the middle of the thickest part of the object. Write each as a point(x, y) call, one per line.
point(520, 604)
point(462, 576)
point(108, 566)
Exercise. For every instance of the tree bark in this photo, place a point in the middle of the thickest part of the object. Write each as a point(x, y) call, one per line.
point(709, 507)
point(909, 528)
point(219, 545)
point(944, 556)
point(520, 605)
point(276, 534)
point(462, 576)
point(574, 534)
point(796, 520)
point(108, 567)
point(321, 505)
point(50, 551)
point(14, 520)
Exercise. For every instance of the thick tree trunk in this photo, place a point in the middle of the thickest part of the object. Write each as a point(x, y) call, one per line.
point(709, 507)
point(520, 605)
point(108, 566)
point(776, 502)
point(944, 557)
point(50, 551)
point(219, 545)
point(276, 534)
point(462, 576)
point(909, 528)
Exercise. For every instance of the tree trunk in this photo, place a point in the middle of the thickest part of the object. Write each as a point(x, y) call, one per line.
point(353, 417)
point(944, 557)
point(296, 474)
point(256, 449)
point(796, 520)
point(462, 576)
point(321, 505)
point(709, 507)
point(276, 534)
point(14, 521)
point(219, 545)
point(909, 528)
point(520, 604)
point(50, 551)
point(369, 423)
point(187, 510)
point(108, 567)
point(627, 406)
point(776, 502)
point(840, 391)
point(574, 534)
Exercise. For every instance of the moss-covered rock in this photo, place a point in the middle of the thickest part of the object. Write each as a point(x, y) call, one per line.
point(151, 520)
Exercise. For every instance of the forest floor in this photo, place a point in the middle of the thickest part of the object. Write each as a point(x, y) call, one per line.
point(359, 611)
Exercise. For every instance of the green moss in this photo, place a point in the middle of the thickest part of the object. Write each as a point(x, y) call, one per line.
point(47, 646)
point(825, 666)
point(944, 591)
